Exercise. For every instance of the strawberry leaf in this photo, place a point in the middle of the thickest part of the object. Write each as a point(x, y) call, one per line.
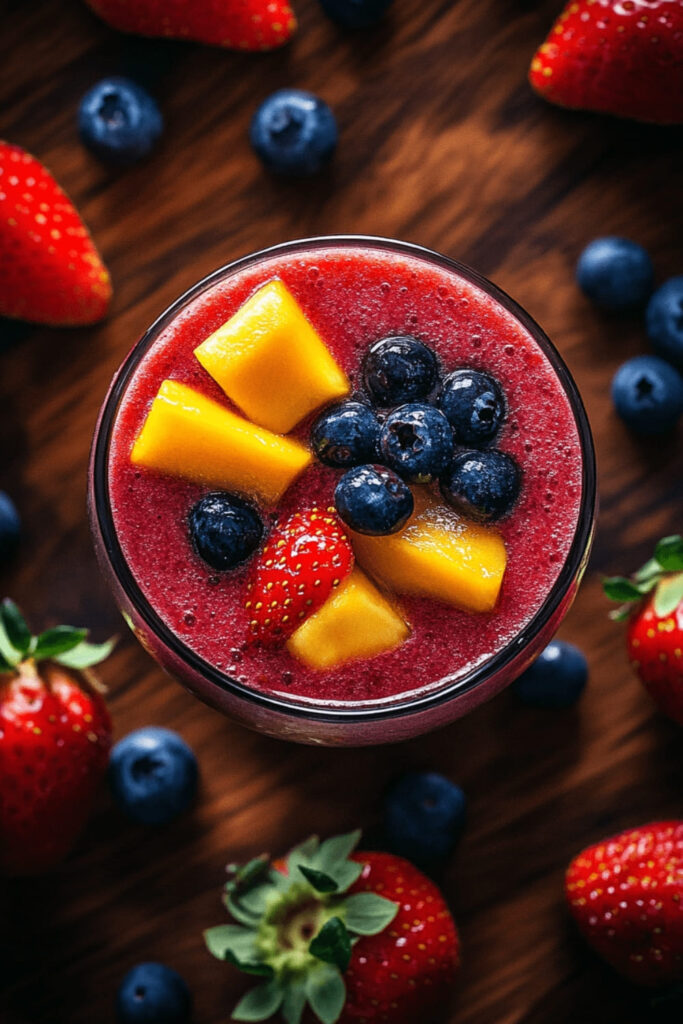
point(294, 1001)
point(58, 641)
point(5, 665)
point(18, 633)
point(647, 571)
point(85, 655)
point(318, 879)
point(669, 595)
point(326, 992)
point(669, 553)
point(260, 1003)
point(332, 944)
point(10, 654)
point(367, 913)
point(337, 849)
point(619, 588)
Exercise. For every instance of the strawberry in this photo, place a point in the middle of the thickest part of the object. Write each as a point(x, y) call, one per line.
point(304, 559)
point(654, 607)
point(317, 931)
point(620, 57)
point(237, 24)
point(50, 270)
point(626, 895)
point(55, 735)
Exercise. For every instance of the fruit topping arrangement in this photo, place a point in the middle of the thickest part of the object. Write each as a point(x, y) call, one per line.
point(420, 479)
point(338, 936)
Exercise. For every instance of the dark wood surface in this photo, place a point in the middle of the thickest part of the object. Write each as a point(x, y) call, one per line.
point(442, 143)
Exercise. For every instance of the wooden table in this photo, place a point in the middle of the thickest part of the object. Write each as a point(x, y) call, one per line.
point(443, 143)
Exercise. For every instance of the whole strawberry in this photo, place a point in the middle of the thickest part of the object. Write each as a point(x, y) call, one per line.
point(50, 270)
point(304, 559)
point(55, 736)
point(653, 603)
point(237, 24)
point(318, 933)
point(626, 895)
point(620, 57)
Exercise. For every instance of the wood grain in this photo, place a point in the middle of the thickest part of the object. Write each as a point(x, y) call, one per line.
point(442, 143)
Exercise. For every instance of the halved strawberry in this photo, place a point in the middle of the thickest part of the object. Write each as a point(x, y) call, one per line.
point(620, 57)
point(304, 559)
point(237, 24)
point(50, 270)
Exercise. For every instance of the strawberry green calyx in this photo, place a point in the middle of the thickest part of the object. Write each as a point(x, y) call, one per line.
point(297, 927)
point(67, 645)
point(663, 574)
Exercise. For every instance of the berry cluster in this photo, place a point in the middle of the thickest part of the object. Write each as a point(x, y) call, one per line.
point(419, 428)
point(618, 276)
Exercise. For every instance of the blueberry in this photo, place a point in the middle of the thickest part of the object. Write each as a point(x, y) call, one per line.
point(225, 529)
point(399, 369)
point(474, 405)
point(346, 435)
point(424, 815)
point(372, 499)
point(416, 441)
point(556, 679)
point(664, 320)
point(355, 13)
point(153, 775)
point(615, 273)
point(294, 132)
point(153, 994)
point(119, 121)
point(648, 395)
point(482, 485)
point(10, 527)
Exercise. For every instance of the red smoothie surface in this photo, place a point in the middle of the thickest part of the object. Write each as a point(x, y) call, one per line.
point(354, 296)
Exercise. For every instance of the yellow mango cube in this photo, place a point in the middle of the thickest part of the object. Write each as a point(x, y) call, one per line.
point(355, 622)
point(187, 434)
point(437, 554)
point(271, 362)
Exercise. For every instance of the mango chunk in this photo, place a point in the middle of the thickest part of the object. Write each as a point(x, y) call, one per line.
point(437, 554)
point(271, 362)
point(355, 622)
point(187, 434)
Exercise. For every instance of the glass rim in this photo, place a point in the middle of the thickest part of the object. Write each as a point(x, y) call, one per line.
point(303, 708)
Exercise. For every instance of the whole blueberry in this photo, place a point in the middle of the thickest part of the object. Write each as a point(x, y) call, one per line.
point(225, 529)
point(648, 395)
point(484, 485)
point(424, 815)
point(119, 121)
point(615, 273)
point(664, 320)
point(346, 435)
point(153, 994)
point(355, 13)
point(373, 499)
point(416, 441)
point(474, 405)
point(153, 775)
point(294, 132)
point(10, 527)
point(399, 369)
point(556, 679)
